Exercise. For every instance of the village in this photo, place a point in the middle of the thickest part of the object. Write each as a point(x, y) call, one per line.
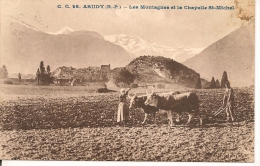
point(62, 76)
point(72, 76)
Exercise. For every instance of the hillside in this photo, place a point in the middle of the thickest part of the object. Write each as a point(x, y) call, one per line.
point(234, 53)
point(150, 69)
point(23, 47)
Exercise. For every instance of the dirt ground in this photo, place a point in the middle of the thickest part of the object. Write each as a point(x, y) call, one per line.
point(82, 127)
point(228, 142)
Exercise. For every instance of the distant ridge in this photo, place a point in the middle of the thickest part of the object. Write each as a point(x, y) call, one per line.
point(233, 53)
point(69, 48)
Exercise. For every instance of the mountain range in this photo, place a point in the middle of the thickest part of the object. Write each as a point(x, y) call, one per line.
point(139, 47)
point(233, 53)
point(24, 46)
point(27, 46)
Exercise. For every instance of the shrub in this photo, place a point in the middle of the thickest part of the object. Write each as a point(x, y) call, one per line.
point(134, 85)
point(160, 86)
point(8, 82)
point(101, 90)
point(122, 77)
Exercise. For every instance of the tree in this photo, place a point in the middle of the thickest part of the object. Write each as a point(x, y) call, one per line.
point(123, 77)
point(48, 69)
point(43, 76)
point(217, 84)
point(198, 83)
point(3, 72)
point(212, 84)
point(42, 68)
point(224, 79)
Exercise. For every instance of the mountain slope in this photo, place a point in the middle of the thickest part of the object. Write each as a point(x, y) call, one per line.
point(150, 69)
point(139, 47)
point(234, 53)
point(23, 47)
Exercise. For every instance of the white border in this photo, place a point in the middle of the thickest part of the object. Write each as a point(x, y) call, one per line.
point(257, 125)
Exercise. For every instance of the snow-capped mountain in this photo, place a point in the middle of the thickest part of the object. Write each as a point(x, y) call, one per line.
point(25, 46)
point(64, 30)
point(15, 20)
point(139, 47)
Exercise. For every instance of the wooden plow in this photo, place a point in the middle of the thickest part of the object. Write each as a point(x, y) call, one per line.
point(212, 117)
point(219, 110)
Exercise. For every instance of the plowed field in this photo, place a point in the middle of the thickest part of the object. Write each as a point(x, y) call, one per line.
point(82, 127)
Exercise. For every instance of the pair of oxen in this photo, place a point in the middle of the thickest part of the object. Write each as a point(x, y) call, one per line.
point(172, 102)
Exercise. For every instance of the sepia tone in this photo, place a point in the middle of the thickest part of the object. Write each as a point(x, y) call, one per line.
point(127, 80)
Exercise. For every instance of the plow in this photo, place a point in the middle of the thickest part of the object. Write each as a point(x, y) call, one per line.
point(219, 110)
point(212, 117)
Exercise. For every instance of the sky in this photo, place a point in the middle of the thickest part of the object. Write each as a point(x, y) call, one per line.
point(173, 28)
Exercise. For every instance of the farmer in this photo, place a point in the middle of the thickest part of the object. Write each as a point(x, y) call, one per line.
point(19, 78)
point(228, 101)
point(123, 110)
point(38, 75)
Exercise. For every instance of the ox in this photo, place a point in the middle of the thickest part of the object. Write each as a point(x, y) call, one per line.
point(185, 102)
point(139, 102)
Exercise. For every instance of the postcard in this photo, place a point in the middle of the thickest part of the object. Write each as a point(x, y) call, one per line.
point(139, 80)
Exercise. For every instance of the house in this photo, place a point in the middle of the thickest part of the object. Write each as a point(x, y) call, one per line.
point(105, 67)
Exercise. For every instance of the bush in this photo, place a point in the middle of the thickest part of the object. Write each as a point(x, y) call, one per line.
point(160, 86)
point(123, 77)
point(46, 79)
point(134, 85)
point(8, 82)
point(101, 90)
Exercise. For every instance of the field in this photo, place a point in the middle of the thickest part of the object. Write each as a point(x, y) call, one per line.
point(68, 123)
